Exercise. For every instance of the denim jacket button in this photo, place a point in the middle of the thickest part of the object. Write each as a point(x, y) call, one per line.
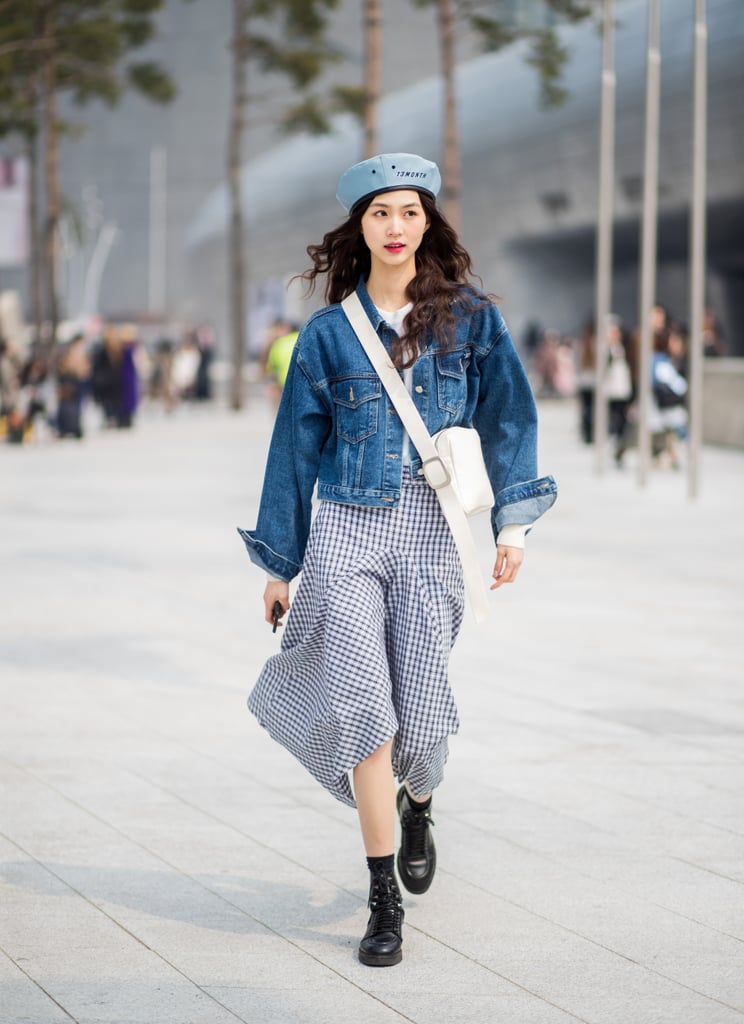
point(418, 389)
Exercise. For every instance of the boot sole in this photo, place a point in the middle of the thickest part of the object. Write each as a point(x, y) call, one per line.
point(382, 960)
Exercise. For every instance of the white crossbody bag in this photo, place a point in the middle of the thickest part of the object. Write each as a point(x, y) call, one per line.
point(452, 459)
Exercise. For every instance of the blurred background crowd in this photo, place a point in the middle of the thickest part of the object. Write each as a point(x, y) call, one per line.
point(102, 381)
point(562, 366)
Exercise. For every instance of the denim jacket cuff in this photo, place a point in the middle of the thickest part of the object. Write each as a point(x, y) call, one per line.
point(266, 558)
point(523, 503)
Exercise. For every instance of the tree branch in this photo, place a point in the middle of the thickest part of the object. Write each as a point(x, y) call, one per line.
point(25, 46)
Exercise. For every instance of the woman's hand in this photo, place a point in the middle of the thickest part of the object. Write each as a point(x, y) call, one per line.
point(508, 561)
point(276, 590)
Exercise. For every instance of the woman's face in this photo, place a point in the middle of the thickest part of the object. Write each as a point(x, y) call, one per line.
point(393, 226)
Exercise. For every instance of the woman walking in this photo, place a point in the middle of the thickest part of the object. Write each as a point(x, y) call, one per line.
point(360, 687)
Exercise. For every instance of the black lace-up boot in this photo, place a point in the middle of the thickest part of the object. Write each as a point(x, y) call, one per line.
point(417, 857)
point(382, 942)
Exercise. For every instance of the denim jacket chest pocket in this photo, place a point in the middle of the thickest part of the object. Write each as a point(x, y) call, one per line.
point(452, 384)
point(357, 402)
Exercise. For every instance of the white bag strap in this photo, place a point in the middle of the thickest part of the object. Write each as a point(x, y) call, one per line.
point(434, 469)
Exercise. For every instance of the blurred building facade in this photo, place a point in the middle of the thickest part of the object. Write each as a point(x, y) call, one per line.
point(148, 182)
point(530, 175)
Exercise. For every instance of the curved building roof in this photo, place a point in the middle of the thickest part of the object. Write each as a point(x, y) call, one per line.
point(529, 197)
point(532, 163)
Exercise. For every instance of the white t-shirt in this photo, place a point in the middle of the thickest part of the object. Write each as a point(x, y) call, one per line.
point(395, 319)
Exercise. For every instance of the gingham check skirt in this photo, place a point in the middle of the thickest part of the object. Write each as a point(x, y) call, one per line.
point(365, 650)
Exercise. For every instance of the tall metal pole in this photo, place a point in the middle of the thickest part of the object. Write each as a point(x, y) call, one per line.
point(236, 252)
point(603, 297)
point(158, 227)
point(697, 248)
point(648, 239)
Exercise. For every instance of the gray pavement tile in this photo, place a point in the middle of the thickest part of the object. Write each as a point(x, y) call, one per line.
point(644, 932)
point(438, 1003)
point(87, 964)
point(334, 1004)
point(664, 882)
point(22, 1001)
point(139, 1000)
point(726, 777)
point(578, 975)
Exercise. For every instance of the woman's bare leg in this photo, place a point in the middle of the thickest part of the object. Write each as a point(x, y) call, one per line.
point(374, 789)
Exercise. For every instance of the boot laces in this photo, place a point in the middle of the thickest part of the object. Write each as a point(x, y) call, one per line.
point(385, 904)
point(415, 830)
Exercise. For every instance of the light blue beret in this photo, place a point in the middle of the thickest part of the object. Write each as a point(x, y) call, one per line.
point(386, 173)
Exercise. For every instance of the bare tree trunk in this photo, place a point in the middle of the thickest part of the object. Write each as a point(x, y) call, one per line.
point(35, 255)
point(51, 167)
point(372, 71)
point(451, 168)
point(235, 152)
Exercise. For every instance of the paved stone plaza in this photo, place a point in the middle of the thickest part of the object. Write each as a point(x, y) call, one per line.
point(163, 862)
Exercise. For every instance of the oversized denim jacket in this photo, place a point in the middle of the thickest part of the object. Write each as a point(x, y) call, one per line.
point(336, 425)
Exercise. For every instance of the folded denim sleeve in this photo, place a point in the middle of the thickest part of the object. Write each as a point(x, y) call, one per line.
point(275, 565)
point(506, 419)
point(277, 545)
point(523, 503)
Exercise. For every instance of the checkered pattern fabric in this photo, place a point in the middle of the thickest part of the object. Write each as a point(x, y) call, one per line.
point(365, 649)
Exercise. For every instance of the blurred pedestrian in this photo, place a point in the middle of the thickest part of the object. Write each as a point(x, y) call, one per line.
point(586, 380)
point(205, 343)
point(115, 376)
point(161, 378)
point(677, 346)
point(186, 367)
point(361, 683)
point(73, 379)
point(106, 376)
point(546, 364)
point(618, 387)
point(33, 402)
point(278, 328)
point(277, 362)
point(668, 412)
point(10, 386)
point(713, 340)
point(131, 360)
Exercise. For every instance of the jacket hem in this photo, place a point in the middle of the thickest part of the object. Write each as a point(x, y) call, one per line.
point(355, 496)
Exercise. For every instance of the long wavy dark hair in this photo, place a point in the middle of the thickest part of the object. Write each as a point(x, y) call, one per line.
point(441, 288)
